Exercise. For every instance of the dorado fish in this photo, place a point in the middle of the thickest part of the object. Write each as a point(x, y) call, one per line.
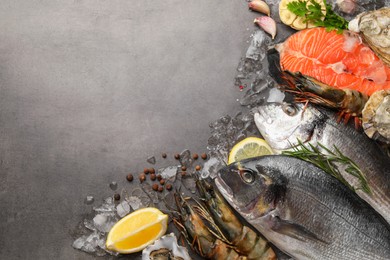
point(282, 125)
point(305, 212)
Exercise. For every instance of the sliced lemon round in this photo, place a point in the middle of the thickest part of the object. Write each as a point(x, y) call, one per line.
point(137, 230)
point(248, 148)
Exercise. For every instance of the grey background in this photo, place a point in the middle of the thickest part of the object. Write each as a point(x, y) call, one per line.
point(89, 89)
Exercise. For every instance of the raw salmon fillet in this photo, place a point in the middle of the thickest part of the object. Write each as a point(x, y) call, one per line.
point(338, 60)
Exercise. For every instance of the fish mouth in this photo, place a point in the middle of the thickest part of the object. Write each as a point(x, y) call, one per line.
point(227, 192)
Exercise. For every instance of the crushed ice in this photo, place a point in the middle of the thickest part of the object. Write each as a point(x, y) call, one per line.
point(98, 227)
point(169, 173)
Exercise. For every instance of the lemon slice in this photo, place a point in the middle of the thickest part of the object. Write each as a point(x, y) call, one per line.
point(137, 230)
point(248, 148)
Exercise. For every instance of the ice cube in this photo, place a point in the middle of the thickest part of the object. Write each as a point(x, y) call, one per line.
point(113, 185)
point(151, 160)
point(275, 95)
point(145, 202)
point(252, 99)
point(89, 224)
point(189, 183)
point(88, 243)
point(185, 158)
point(107, 206)
point(256, 50)
point(135, 202)
point(169, 173)
point(89, 200)
point(152, 194)
point(104, 221)
point(211, 167)
point(259, 85)
point(137, 192)
point(123, 209)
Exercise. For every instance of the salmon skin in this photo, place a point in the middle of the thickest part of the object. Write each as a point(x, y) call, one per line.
point(304, 211)
point(338, 60)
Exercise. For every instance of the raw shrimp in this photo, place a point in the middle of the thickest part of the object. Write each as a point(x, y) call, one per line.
point(199, 236)
point(224, 236)
point(245, 240)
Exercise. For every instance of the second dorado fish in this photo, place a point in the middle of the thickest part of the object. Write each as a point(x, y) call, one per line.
point(282, 125)
point(305, 212)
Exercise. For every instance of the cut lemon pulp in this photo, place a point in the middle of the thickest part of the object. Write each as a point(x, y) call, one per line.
point(248, 148)
point(137, 230)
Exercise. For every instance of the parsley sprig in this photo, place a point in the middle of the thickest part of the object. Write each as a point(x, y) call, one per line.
point(311, 11)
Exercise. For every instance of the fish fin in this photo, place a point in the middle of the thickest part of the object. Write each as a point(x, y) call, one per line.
point(293, 230)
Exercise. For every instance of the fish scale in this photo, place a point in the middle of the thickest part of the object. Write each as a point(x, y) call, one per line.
point(312, 216)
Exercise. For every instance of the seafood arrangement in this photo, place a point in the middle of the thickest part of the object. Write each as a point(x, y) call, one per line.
point(281, 206)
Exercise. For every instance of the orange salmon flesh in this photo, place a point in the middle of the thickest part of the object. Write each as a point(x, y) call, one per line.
point(338, 60)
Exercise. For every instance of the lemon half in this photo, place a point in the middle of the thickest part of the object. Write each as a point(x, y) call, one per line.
point(137, 230)
point(248, 148)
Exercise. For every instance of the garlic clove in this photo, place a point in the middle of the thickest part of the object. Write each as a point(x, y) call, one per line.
point(267, 24)
point(259, 6)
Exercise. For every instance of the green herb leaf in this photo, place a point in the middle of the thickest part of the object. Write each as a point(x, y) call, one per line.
point(328, 160)
point(312, 12)
point(298, 8)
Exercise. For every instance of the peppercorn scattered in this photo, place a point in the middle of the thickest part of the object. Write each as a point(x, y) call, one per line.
point(155, 187)
point(152, 170)
point(197, 167)
point(162, 181)
point(160, 189)
point(164, 155)
point(129, 177)
point(204, 156)
point(183, 173)
point(142, 177)
point(195, 156)
point(183, 168)
point(168, 186)
point(177, 156)
point(153, 177)
point(146, 170)
point(159, 177)
point(117, 196)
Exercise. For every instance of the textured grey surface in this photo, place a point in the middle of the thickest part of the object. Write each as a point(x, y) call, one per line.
point(89, 89)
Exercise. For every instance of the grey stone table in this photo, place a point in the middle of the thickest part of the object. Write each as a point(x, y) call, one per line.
point(89, 89)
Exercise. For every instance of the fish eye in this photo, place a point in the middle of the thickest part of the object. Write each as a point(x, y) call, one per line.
point(247, 176)
point(289, 109)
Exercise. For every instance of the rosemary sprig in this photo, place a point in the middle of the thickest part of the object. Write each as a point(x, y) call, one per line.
point(328, 161)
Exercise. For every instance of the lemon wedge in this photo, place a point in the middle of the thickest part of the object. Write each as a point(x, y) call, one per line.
point(248, 148)
point(137, 230)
